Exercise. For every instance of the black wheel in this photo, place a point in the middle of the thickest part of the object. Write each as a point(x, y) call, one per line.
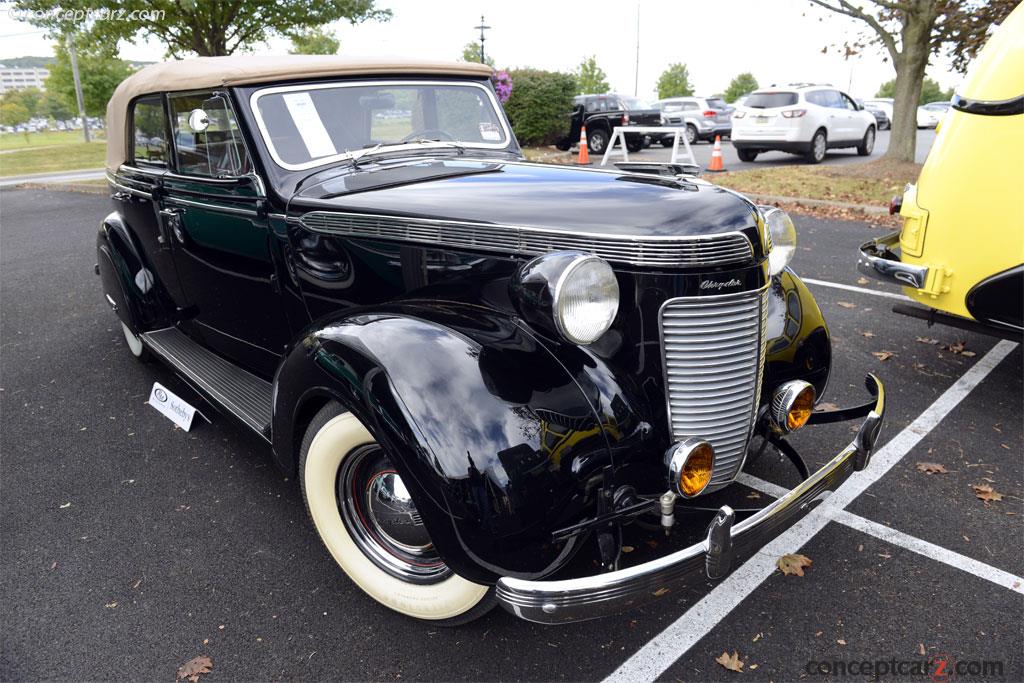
point(819, 145)
point(868, 143)
point(634, 145)
point(747, 155)
point(691, 133)
point(597, 141)
point(563, 145)
point(366, 517)
point(666, 142)
point(647, 141)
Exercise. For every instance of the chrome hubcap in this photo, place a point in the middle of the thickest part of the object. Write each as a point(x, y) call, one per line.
point(691, 135)
point(871, 141)
point(381, 517)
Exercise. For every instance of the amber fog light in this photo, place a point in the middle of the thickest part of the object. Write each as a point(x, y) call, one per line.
point(689, 466)
point(792, 405)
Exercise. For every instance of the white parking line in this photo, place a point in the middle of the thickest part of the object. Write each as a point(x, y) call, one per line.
point(851, 288)
point(664, 649)
point(900, 539)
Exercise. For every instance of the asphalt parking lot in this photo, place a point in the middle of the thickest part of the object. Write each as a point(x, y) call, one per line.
point(128, 547)
point(702, 153)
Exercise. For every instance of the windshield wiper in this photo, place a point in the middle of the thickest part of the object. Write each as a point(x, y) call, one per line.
point(449, 143)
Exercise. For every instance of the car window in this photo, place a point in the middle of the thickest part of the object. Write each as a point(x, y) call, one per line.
point(215, 152)
point(634, 104)
point(591, 104)
point(769, 100)
point(815, 97)
point(149, 132)
point(690, 106)
point(848, 102)
point(716, 103)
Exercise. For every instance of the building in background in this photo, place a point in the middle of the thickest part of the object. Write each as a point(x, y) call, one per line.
point(21, 78)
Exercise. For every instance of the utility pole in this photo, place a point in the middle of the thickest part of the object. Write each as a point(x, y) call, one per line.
point(636, 74)
point(482, 28)
point(78, 86)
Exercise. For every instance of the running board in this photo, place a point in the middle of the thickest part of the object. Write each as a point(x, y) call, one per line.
point(240, 393)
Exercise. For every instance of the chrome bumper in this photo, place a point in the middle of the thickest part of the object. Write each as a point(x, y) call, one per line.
point(879, 261)
point(554, 602)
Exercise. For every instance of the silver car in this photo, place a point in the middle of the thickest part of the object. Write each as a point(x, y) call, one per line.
point(704, 117)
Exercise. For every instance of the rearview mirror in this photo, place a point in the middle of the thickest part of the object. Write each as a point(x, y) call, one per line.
point(198, 120)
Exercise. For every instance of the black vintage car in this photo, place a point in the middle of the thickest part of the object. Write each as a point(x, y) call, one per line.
point(482, 372)
point(601, 114)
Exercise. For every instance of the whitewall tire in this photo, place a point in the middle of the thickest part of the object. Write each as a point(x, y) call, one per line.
point(135, 344)
point(351, 489)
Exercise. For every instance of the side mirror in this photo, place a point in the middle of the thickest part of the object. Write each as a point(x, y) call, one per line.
point(198, 120)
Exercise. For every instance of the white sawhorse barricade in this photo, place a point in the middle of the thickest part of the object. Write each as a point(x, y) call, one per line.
point(619, 133)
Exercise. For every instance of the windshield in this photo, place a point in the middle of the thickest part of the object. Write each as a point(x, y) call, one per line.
point(307, 126)
point(716, 103)
point(769, 100)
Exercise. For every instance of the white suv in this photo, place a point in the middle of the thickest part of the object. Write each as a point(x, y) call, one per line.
point(802, 119)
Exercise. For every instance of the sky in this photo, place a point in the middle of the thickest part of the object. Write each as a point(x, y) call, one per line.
point(779, 41)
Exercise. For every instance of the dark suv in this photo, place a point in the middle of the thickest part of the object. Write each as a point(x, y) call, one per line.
point(601, 113)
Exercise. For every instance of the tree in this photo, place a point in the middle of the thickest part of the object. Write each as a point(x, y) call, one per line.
point(54, 106)
point(99, 70)
point(674, 82)
point(13, 112)
point(911, 31)
point(930, 91)
point(471, 53)
point(540, 104)
point(25, 98)
point(203, 27)
point(743, 84)
point(314, 41)
point(590, 78)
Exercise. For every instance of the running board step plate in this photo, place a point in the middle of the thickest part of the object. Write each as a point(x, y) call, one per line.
point(239, 392)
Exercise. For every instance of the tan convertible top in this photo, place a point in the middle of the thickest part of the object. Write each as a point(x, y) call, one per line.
point(213, 72)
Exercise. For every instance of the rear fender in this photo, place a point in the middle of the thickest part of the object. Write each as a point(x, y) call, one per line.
point(496, 441)
point(128, 282)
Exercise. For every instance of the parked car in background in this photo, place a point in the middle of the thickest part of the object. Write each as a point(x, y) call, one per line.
point(602, 113)
point(960, 254)
point(739, 101)
point(704, 117)
point(801, 119)
point(882, 119)
point(930, 115)
point(886, 104)
point(475, 368)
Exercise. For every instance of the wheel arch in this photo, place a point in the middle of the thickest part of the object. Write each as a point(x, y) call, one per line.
point(127, 278)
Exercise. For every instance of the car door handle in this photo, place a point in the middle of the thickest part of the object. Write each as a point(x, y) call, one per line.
point(172, 219)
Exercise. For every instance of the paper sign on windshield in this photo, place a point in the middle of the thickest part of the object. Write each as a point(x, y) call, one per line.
point(311, 128)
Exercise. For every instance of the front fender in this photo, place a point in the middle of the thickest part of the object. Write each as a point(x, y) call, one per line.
point(495, 440)
point(799, 345)
point(127, 279)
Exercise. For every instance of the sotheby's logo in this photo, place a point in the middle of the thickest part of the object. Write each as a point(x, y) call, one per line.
point(719, 285)
point(172, 406)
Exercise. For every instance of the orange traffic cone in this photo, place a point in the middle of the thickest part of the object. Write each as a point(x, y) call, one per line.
point(716, 157)
point(584, 158)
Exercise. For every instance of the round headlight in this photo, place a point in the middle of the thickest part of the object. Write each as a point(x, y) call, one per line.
point(783, 237)
point(586, 299)
point(570, 294)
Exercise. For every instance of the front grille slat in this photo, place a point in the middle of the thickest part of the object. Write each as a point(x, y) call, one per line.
point(680, 251)
point(713, 351)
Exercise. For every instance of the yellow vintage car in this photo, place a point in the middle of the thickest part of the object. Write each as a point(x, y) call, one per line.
point(960, 255)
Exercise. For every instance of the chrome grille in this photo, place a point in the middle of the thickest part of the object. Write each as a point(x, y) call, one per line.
point(713, 352)
point(732, 247)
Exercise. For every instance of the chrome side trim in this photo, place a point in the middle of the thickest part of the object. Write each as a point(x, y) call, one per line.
point(713, 351)
point(131, 190)
point(668, 251)
point(880, 262)
point(726, 543)
point(251, 213)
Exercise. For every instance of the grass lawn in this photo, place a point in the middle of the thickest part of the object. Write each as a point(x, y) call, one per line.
point(874, 182)
point(45, 138)
point(50, 158)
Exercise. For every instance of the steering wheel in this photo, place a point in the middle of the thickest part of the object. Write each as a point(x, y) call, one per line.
point(428, 133)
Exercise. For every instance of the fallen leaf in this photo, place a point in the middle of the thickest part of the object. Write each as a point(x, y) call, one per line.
point(841, 641)
point(968, 354)
point(860, 548)
point(628, 548)
point(932, 468)
point(956, 347)
point(110, 605)
point(862, 281)
point(793, 564)
point(846, 304)
point(986, 493)
point(818, 634)
point(883, 355)
point(753, 666)
point(869, 335)
point(661, 591)
point(65, 505)
point(827, 406)
point(195, 667)
point(753, 495)
point(928, 340)
point(920, 649)
point(757, 637)
point(733, 663)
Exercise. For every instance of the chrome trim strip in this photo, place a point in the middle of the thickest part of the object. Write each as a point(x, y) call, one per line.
point(878, 261)
point(590, 597)
point(113, 181)
point(212, 207)
point(659, 250)
point(723, 360)
point(268, 140)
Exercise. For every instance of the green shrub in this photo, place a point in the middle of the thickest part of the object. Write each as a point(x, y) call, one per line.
point(540, 105)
